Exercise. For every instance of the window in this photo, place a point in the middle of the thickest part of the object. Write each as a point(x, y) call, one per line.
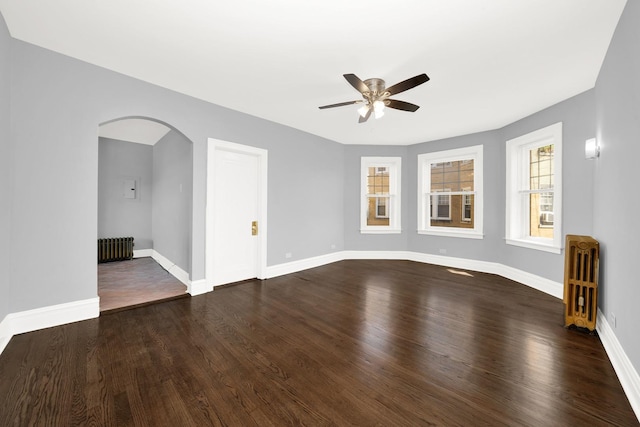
point(381, 207)
point(441, 206)
point(534, 189)
point(380, 188)
point(450, 193)
point(466, 205)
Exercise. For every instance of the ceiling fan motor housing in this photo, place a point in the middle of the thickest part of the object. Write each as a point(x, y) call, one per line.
point(376, 86)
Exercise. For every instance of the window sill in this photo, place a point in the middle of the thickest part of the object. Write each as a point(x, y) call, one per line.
point(381, 231)
point(461, 234)
point(530, 244)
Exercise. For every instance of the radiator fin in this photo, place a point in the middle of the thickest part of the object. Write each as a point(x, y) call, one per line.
point(115, 249)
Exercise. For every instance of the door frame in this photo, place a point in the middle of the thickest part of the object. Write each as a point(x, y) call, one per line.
point(214, 146)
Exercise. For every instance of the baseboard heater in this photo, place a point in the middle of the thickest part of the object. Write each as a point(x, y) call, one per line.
point(115, 249)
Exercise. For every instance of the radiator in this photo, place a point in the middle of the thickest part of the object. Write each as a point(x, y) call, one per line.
point(115, 249)
point(581, 281)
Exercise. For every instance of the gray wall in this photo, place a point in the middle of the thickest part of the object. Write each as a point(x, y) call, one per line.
point(58, 103)
point(305, 197)
point(117, 215)
point(577, 117)
point(172, 198)
point(6, 171)
point(615, 204)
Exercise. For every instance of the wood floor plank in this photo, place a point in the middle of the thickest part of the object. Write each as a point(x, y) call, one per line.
point(135, 282)
point(384, 343)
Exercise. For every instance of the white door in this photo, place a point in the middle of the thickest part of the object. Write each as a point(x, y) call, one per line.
point(236, 213)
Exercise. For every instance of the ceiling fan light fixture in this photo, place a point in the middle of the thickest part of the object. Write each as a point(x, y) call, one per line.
point(378, 106)
point(376, 96)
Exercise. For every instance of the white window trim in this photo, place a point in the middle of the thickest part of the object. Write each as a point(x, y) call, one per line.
point(394, 165)
point(425, 161)
point(517, 217)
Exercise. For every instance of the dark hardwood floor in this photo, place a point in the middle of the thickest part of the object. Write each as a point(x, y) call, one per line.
point(384, 343)
point(125, 284)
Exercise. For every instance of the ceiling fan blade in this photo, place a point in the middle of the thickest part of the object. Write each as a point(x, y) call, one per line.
point(366, 116)
point(356, 83)
point(407, 84)
point(401, 105)
point(341, 104)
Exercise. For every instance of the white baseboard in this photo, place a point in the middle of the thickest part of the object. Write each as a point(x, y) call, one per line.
point(46, 317)
point(196, 287)
point(628, 376)
point(303, 264)
point(171, 267)
point(534, 281)
point(142, 253)
point(397, 255)
point(5, 333)
point(199, 287)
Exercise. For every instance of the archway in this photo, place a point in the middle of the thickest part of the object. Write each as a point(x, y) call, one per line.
point(145, 177)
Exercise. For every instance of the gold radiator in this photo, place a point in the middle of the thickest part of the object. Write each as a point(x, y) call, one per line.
point(581, 281)
point(115, 249)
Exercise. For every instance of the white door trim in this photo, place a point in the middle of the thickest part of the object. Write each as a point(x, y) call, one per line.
point(213, 146)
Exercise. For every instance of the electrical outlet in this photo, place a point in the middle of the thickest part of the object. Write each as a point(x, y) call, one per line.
point(287, 255)
point(443, 251)
point(333, 246)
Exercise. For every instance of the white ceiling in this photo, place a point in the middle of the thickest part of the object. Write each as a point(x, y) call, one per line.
point(491, 62)
point(141, 131)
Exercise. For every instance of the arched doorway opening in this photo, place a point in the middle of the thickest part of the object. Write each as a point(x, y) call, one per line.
point(145, 176)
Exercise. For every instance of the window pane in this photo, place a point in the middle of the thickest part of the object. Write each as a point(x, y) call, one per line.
point(541, 204)
point(452, 210)
point(467, 209)
point(452, 176)
point(466, 165)
point(540, 167)
point(378, 180)
point(378, 211)
point(541, 215)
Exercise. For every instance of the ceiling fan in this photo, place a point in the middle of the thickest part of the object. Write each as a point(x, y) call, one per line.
point(376, 96)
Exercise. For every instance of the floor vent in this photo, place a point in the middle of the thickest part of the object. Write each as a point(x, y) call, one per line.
point(115, 249)
point(581, 281)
